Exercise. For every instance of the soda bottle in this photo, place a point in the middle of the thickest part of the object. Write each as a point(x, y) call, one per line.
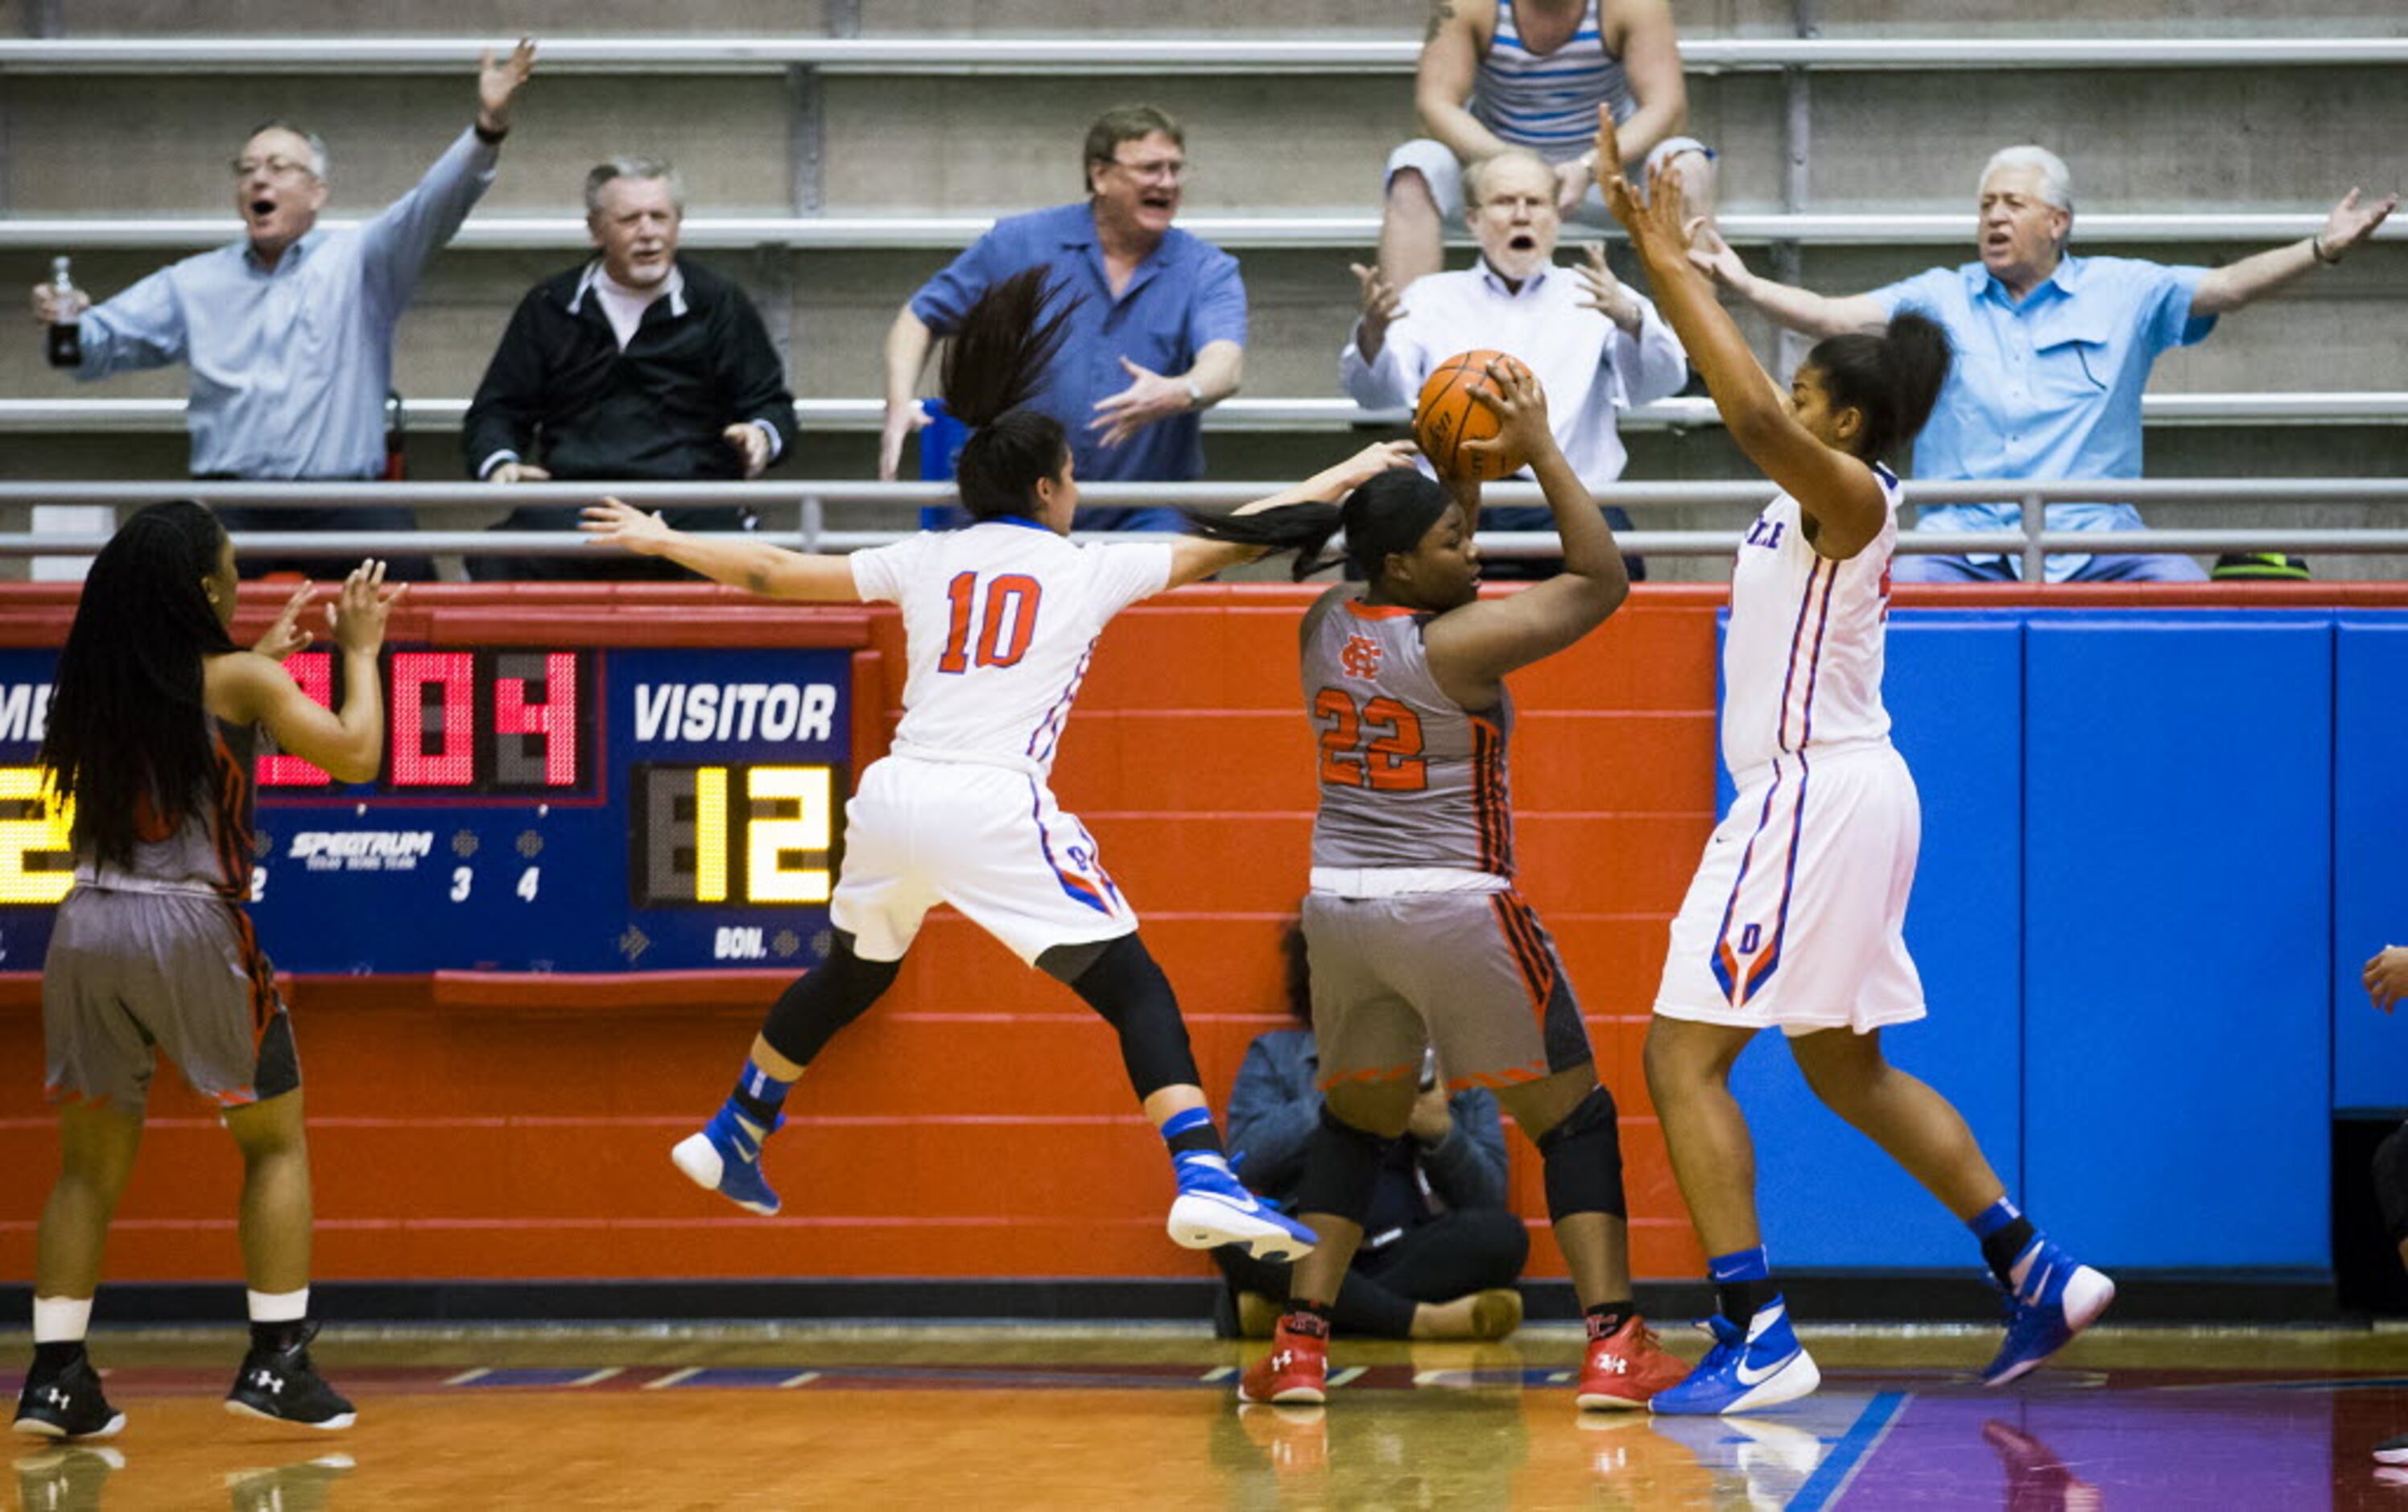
point(65, 334)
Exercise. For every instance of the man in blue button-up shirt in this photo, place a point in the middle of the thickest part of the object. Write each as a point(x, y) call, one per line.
point(288, 333)
point(1158, 335)
point(2052, 351)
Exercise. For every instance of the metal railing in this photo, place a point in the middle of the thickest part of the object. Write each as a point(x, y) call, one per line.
point(808, 499)
point(1300, 228)
point(1023, 55)
point(82, 416)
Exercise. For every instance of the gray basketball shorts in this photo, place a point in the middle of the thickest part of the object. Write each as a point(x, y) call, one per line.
point(131, 973)
point(1474, 974)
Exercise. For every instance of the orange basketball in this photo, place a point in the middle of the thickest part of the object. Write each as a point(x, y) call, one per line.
point(1446, 416)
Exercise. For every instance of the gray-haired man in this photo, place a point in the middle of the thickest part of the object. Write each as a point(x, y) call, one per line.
point(639, 365)
point(2052, 353)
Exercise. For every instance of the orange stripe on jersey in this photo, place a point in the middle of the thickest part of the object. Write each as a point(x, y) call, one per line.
point(1489, 807)
point(1362, 611)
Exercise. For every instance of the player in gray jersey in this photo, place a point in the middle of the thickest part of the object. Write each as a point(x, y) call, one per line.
point(1416, 933)
point(150, 740)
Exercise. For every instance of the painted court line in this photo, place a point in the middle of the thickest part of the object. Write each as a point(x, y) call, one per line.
point(465, 1376)
point(1854, 1449)
point(804, 1379)
point(1350, 1372)
point(673, 1377)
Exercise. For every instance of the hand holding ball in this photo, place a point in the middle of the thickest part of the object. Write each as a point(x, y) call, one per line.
point(1446, 416)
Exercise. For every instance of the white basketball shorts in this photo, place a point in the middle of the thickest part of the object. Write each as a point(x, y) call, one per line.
point(1796, 916)
point(988, 840)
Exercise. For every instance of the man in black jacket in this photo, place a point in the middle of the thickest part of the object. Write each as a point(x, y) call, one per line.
point(639, 365)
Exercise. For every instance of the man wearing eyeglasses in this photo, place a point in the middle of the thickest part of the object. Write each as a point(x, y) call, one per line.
point(1157, 336)
point(288, 333)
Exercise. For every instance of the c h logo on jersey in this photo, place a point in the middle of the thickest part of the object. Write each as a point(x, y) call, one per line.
point(1359, 657)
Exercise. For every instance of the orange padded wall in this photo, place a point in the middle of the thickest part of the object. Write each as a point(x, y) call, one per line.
point(976, 1122)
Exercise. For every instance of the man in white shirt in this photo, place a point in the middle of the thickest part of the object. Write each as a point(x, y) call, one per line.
point(1596, 346)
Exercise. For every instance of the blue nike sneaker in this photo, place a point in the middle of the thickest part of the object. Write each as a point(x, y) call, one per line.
point(1214, 1208)
point(726, 1157)
point(2056, 1298)
point(1747, 1369)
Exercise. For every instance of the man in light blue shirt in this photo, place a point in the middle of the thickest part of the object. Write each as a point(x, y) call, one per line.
point(1158, 334)
point(2052, 353)
point(288, 333)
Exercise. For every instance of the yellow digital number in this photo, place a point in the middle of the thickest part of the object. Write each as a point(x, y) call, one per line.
point(769, 840)
point(710, 835)
point(33, 826)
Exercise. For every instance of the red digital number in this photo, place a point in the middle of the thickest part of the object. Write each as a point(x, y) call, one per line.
point(1008, 621)
point(554, 719)
point(1392, 762)
point(314, 670)
point(452, 761)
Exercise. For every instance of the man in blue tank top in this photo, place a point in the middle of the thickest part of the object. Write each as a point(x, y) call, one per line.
point(1497, 74)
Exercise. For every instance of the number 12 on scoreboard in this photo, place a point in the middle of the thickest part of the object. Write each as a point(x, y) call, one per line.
point(733, 834)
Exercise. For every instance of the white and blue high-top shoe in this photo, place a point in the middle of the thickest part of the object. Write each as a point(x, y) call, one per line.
point(1214, 1208)
point(2055, 1298)
point(726, 1157)
point(1747, 1369)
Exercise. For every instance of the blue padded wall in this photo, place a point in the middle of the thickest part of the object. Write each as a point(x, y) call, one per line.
point(2178, 925)
point(1827, 1197)
point(2370, 828)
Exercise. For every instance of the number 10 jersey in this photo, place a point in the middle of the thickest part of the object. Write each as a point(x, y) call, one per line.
point(1409, 777)
point(999, 620)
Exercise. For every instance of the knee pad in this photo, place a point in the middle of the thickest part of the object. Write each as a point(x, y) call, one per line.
point(1584, 1161)
point(1122, 984)
point(1340, 1163)
point(2391, 1182)
point(824, 1000)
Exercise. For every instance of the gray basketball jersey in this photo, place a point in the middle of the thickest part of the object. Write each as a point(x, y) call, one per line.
point(204, 850)
point(1409, 777)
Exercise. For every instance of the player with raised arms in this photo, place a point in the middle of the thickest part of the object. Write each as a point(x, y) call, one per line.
point(1796, 918)
point(1000, 621)
point(1414, 930)
point(153, 736)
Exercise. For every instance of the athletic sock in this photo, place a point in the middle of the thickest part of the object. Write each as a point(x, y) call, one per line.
point(757, 1098)
point(277, 1316)
point(2005, 1233)
point(1742, 1283)
point(1306, 1316)
point(1606, 1319)
point(1190, 1131)
point(59, 1325)
point(61, 1320)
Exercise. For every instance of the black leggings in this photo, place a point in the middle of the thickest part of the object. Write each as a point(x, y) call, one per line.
point(1119, 980)
point(1470, 1250)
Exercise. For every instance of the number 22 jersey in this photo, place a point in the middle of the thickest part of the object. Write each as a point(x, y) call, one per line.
point(1408, 776)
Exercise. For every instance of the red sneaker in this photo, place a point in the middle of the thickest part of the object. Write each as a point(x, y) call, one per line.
point(1298, 1367)
point(1628, 1367)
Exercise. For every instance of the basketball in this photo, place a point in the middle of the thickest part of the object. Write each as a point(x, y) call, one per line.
point(1446, 416)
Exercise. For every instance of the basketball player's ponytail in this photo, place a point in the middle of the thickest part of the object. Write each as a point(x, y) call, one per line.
point(1389, 513)
point(993, 366)
point(1894, 379)
point(1301, 528)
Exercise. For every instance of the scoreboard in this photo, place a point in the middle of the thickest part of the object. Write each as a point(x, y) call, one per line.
point(570, 808)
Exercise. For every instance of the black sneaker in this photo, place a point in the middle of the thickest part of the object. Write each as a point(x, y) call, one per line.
point(278, 1383)
point(66, 1402)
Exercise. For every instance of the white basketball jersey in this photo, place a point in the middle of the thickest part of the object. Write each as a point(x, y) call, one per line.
point(998, 623)
point(1802, 658)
